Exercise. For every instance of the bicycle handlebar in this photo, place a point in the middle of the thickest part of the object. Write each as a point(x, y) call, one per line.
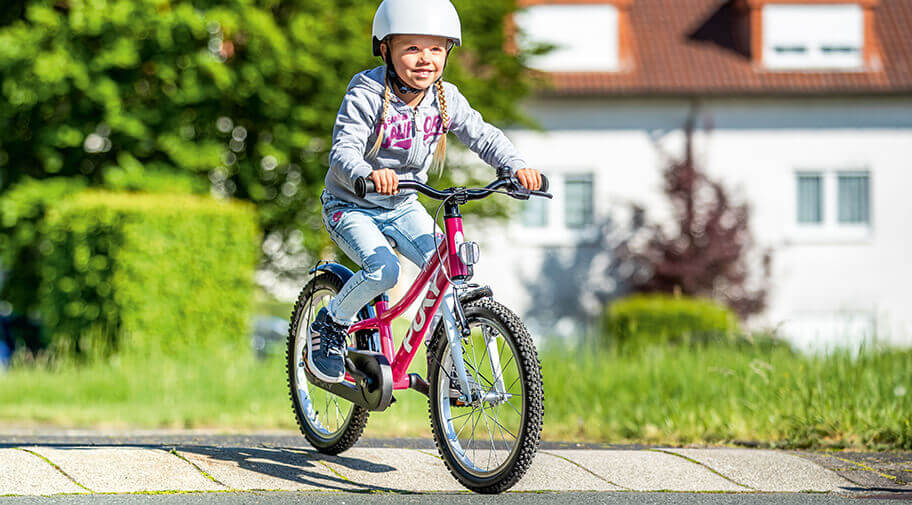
point(364, 186)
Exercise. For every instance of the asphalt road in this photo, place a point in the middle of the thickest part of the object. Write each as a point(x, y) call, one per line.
point(273, 440)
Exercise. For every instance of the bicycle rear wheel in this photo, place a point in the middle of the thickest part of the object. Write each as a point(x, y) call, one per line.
point(330, 423)
point(489, 435)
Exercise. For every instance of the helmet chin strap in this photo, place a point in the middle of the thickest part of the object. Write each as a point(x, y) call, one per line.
point(394, 78)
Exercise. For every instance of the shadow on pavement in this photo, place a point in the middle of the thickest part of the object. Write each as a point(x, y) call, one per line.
point(303, 466)
point(300, 466)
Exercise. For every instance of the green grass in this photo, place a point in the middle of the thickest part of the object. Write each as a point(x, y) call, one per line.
point(660, 395)
point(722, 394)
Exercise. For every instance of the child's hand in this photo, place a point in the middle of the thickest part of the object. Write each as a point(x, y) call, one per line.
point(386, 181)
point(530, 178)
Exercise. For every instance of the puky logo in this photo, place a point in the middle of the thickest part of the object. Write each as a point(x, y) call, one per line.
point(426, 304)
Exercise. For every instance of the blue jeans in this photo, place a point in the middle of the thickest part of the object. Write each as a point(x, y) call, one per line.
point(364, 234)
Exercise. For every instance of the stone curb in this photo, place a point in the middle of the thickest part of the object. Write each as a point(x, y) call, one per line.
point(47, 470)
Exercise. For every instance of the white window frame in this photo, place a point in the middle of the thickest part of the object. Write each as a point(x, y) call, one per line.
point(830, 229)
point(813, 28)
point(586, 36)
point(555, 232)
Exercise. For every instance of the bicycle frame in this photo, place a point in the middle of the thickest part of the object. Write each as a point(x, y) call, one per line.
point(432, 274)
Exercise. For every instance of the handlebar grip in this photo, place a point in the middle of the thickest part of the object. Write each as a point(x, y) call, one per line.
point(364, 186)
point(544, 183)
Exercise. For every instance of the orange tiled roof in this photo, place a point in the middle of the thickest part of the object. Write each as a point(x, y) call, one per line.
point(686, 47)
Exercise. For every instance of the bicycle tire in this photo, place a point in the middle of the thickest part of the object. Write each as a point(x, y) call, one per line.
point(350, 429)
point(478, 314)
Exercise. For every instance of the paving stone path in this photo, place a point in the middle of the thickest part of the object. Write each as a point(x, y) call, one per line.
point(62, 466)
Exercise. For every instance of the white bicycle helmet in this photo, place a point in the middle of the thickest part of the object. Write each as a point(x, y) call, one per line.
point(416, 17)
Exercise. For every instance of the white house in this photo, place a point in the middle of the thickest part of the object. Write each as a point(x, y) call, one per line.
point(810, 106)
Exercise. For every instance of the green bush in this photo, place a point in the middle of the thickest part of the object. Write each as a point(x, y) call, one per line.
point(22, 211)
point(147, 273)
point(644, 320)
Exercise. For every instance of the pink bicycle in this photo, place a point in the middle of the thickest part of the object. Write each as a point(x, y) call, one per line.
point(484, 385)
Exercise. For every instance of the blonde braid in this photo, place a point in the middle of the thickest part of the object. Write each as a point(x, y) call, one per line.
point(386, 101)
point(440, 152)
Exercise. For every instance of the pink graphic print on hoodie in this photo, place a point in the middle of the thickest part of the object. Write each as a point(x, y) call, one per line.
point(399, 131)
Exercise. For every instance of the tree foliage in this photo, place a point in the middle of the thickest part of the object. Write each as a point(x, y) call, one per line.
point(236, 96)
point(706, 253)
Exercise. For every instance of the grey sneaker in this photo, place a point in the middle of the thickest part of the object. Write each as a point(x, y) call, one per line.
point(326, 348)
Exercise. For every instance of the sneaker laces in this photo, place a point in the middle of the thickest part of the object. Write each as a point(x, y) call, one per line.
point(336, 338)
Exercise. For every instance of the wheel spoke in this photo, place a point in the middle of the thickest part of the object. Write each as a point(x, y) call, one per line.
point(477, 373)
point(326, 410)
point(501, 428)
point(490, 434)
point(474, 425)
point(474, 364)
point(457, 417)
point(464, 424)
point(514, 408)
point(484, 336)
point(338, 411)
point(504, 429)
point(510, 388)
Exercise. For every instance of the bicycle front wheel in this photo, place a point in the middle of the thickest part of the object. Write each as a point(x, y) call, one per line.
point(488, 435)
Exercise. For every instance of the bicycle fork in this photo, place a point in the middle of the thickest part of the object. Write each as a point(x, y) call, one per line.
point(456, 329)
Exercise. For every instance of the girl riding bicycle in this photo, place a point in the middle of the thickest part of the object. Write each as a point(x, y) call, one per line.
point(392, 125)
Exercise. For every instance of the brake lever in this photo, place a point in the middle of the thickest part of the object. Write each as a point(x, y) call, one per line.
point(517, 190)
point(520, 192)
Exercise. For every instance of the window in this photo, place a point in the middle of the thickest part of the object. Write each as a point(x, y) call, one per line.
point(585, 36)
point(567, 219)
point(810, 198)
point(853, 199)
point(813, 36)
point(833, 199)
point(535, 213)
point(578, 201)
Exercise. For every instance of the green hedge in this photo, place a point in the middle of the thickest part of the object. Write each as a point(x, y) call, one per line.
point(147, 273)
point(643, 320)
point(22, 211)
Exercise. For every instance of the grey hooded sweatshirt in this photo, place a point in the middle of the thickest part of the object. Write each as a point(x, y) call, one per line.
point(411, 135)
